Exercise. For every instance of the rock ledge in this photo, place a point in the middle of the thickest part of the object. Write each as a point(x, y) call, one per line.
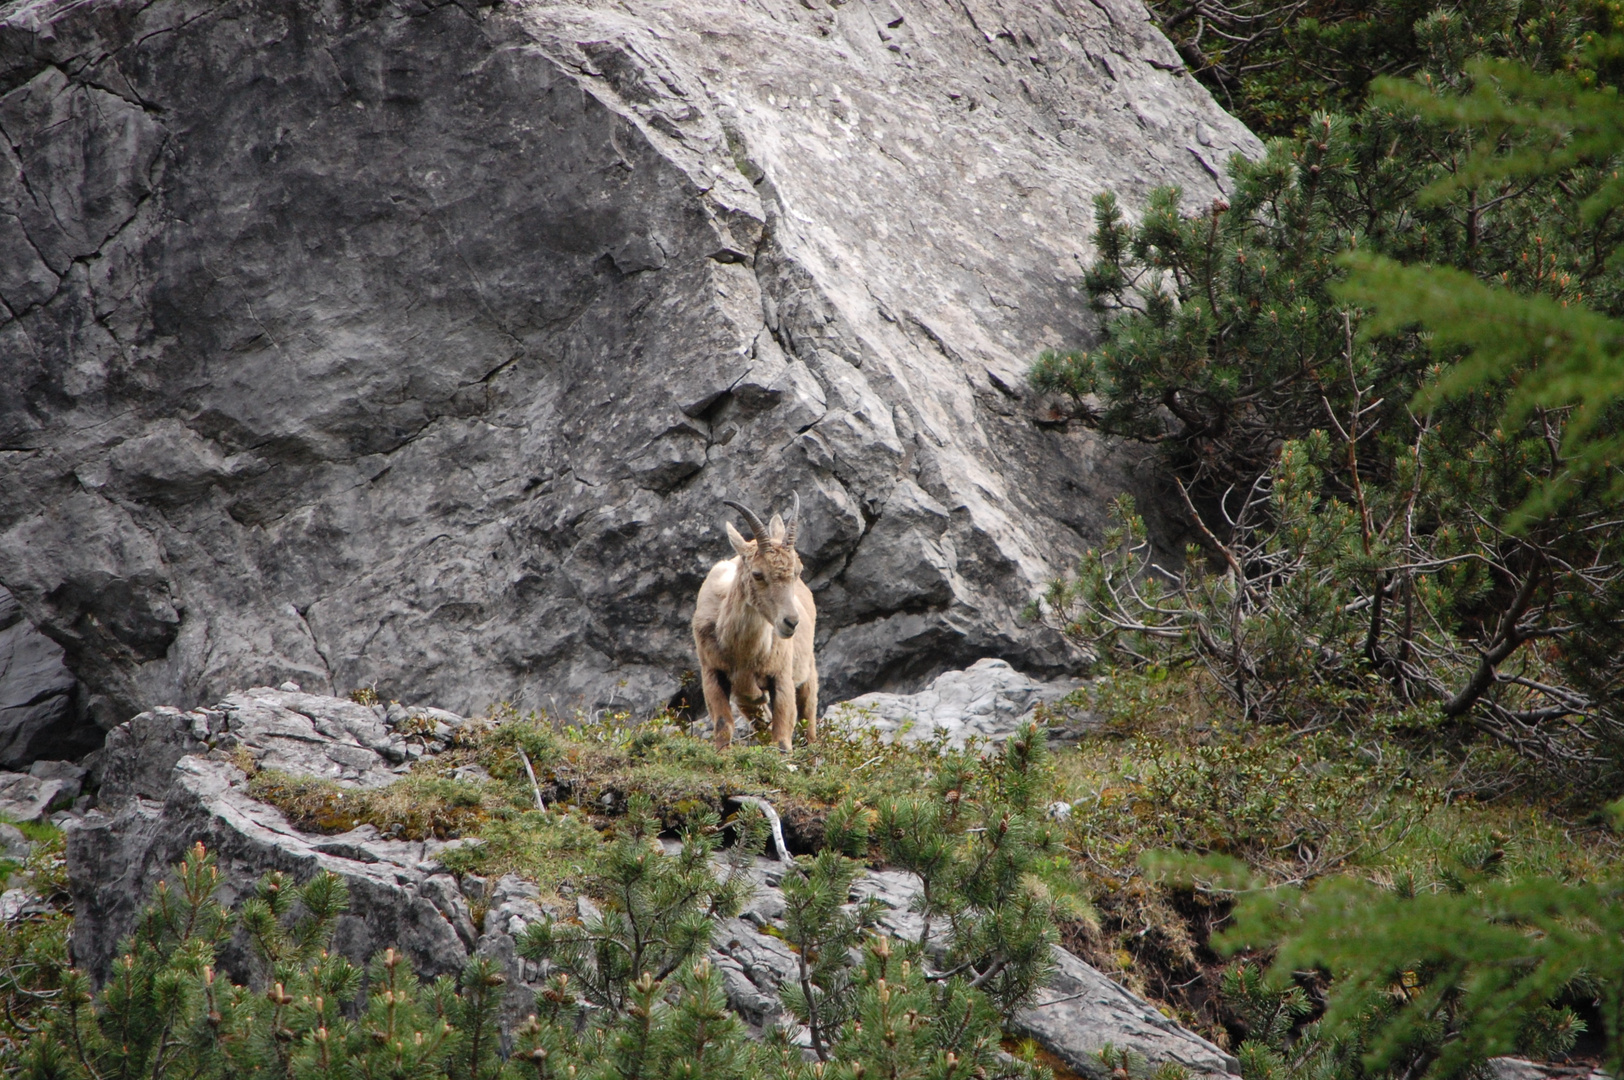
point(169, 779)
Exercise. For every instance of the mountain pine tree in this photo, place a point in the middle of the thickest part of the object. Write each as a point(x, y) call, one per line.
point(1378, 530)
point(1435, 982)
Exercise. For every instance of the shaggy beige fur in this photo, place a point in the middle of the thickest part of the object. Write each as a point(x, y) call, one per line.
point(753, 629)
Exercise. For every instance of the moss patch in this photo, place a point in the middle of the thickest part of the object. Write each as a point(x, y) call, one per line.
point(418, 807)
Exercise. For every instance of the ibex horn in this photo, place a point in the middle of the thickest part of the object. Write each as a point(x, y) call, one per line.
point(758, 531)
point(794, 520)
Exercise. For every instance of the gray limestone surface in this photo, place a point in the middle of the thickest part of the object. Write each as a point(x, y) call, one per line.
point(1510, 1068)
point(416, 345)
point(170, 781)
point(987, 701)
point(25, 798)
point(13, 844)
point(40, 714)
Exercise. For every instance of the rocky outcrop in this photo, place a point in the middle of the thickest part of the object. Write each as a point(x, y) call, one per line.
point(40, 712)
point(31, 796)
point(417, 344)
point(1080, 1011)
point(986, 702)
point(1510, 1068)
point(170, 780)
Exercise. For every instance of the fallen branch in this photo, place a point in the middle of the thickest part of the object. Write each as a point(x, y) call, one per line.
point(535, 788)
point(772, 819)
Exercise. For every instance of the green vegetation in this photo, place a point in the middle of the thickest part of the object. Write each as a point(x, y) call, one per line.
point(33, 945)
point(587, 773)
point(1437, 980)
point(1391, 518)
point(1180, 771)
point(1371, 722)
point(1275, 63)
point(629, 993)
point(165, 1010)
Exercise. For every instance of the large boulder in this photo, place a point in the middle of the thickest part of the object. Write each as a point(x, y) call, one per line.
point(170, 779)
point(985, 703)
point(416, 345)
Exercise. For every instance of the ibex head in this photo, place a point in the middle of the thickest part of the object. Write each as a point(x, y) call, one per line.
point(771, 566)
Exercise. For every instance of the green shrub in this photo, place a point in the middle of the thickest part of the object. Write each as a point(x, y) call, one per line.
point(990, 864)
point(1389, 520)
point(628, 994)
point(1434, 981)
point(659, 909)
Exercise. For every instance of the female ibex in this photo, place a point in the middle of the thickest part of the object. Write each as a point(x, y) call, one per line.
point(753, 628)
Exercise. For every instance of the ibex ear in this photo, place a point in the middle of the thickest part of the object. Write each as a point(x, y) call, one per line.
point(775, 529)
point(744, 547)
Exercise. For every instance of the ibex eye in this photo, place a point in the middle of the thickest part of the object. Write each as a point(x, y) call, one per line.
point(759, 576)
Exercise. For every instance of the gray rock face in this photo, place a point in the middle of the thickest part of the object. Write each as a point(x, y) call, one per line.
point(411, 345)
point(157, 803)
point(25, 798)
point(168, 782)
point(1081, 1010)
point(39, 711)
point(13, 844)
point(987, 702)
point(1510, 1068)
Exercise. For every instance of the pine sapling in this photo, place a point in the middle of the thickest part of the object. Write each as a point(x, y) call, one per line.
point(658, 909)
point(477, 1014)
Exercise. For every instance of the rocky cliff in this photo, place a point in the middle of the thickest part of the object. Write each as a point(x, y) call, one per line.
point(416, 344)
point(42, 714)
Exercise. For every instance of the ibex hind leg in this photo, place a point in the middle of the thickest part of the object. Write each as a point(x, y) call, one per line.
point(806, 706)
point(716, 687)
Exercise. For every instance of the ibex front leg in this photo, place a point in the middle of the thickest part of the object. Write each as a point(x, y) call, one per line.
point(751, 698)
point(717, 689)
point(783, 729)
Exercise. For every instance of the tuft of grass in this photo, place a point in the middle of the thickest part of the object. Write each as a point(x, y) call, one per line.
point(1392, 801)
point(41, 832)
point(417, 807)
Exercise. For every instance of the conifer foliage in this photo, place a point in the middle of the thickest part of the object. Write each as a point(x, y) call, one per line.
point(1408, 511)
point(1434, 982)
point(993, 877)
point(1389, 377)
point(629, 991)
point(166, 1011)
point(659, 912)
